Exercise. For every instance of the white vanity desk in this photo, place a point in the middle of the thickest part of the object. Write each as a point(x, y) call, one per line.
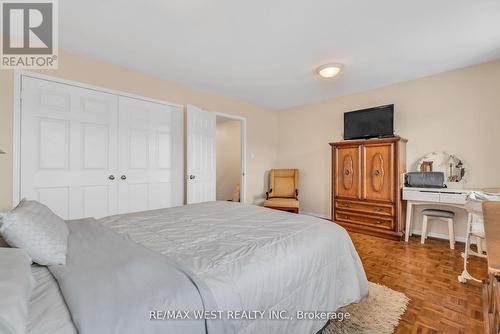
point(431, 196)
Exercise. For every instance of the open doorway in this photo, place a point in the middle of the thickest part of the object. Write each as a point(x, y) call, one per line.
point(230, 146)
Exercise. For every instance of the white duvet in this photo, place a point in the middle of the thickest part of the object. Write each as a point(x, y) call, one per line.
point(255, 259)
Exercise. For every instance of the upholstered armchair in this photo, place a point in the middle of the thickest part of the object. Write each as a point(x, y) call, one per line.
point(283, 190)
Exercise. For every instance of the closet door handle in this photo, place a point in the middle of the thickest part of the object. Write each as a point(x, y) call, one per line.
point(192, 177)
point(123, 177)
point(111, 177)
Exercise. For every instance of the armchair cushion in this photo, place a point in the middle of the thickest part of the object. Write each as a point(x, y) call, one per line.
point(282, 203)
point(283, 183)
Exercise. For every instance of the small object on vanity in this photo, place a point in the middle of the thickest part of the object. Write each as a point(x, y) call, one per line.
point(426, 166)
point(453, 167)
point(424, 179)
point(442, 215)
point(457, 170)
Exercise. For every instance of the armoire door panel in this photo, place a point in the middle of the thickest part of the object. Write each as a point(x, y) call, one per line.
point(378, 161)
point(347, 172)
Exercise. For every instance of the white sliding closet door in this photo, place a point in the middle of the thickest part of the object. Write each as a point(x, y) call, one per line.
point(69, 148)
point(201, 176)
point(86, 153)
point(150, 155)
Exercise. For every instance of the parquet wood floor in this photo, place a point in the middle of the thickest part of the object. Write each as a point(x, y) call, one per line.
point(427, 274)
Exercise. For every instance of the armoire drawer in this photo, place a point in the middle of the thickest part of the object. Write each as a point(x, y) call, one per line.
point(367, 208)
point(359, 218)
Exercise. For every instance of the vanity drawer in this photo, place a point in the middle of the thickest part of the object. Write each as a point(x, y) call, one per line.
point(421, 195)
point(453, 198)
point(368, 208)
point(358, 218)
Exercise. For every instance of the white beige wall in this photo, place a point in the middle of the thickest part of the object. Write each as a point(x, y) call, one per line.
point(228, 158)
point(457, 111)
point(261, 123)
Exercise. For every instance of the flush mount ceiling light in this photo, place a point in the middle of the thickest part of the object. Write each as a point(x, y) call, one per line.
point(328, 71)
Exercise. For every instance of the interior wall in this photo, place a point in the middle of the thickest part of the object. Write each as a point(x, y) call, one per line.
point(228, 158)
point(261, 122)
point(457, 112)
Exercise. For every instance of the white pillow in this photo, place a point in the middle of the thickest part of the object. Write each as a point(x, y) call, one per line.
point(16, 285)
point(35, 228)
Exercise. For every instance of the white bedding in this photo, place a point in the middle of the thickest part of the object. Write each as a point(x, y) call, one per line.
point(48, 313)
point(253, 258)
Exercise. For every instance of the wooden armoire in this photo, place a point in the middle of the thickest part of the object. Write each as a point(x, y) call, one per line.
point(367, 177)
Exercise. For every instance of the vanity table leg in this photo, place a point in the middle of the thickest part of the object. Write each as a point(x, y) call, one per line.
point(409, 215)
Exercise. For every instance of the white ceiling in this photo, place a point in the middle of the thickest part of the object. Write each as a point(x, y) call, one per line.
point(266, 52)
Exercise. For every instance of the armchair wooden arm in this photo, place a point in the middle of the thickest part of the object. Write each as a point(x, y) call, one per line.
point(268, 193)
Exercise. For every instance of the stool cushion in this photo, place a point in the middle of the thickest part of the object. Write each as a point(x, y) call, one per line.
point(438, 213)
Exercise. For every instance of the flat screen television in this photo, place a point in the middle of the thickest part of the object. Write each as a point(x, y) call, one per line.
point(369, 123)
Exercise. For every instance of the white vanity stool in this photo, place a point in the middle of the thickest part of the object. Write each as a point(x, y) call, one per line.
point(442, 215)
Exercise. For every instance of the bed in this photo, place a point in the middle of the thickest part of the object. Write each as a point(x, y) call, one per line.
point(220, 256)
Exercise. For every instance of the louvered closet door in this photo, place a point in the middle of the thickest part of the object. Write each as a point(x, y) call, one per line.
point(150, 155)
point(201, 175)
point(69, 148)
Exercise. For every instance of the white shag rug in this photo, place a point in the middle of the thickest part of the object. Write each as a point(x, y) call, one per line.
point(379, 313)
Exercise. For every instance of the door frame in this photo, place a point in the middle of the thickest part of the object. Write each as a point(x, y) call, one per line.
point(243, 150)
point(16, 117)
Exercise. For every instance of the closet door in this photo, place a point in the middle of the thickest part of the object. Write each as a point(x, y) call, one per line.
point(200, 148)
point(69, 148)
point(150, 155)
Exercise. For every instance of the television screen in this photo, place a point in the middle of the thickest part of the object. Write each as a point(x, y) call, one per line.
point(369, 123)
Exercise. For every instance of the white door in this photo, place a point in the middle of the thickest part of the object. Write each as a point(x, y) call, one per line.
point(150, 155)
point(200, 136)
point(69, 148)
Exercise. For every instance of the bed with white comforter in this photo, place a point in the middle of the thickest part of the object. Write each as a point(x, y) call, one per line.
point(237, 257)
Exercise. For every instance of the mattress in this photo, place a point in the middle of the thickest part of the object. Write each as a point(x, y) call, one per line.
point(254, 258)
point(251, 258)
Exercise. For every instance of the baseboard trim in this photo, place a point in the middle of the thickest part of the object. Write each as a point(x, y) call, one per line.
point(314, 214)
point(443, 236)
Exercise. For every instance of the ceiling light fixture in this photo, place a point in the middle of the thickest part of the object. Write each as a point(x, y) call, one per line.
point(328, 71)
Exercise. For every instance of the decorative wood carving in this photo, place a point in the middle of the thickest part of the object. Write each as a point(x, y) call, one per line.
point(378, 172)
point(347, 172)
